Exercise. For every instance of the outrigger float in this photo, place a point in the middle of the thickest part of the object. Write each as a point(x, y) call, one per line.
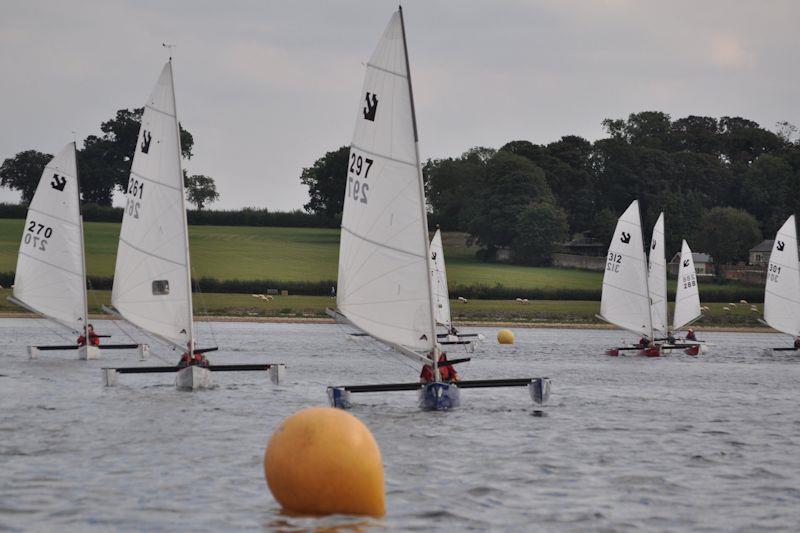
point(386, 278)
point(152, 282)
point(50, 278)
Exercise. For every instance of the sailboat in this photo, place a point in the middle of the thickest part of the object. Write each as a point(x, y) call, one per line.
point(782, 289)
point(657, 279)
point(152, 280)
point(687, 300)
point(385, 287)
point(50, 279)
point(441, 297)
point(625, 301)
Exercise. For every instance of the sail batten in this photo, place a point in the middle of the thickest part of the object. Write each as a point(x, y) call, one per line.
point(384, 285)
point(50, 277)
point(152, 284)
point(782, 289)
point(626, 298)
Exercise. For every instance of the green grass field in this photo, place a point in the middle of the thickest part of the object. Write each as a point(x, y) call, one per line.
point(538, 311)
point(300, 254)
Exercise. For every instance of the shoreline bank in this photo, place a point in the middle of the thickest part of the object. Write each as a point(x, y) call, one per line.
point(467, 323)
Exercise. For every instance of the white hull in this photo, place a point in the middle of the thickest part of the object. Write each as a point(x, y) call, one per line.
point(86, 353)
point(193, 378)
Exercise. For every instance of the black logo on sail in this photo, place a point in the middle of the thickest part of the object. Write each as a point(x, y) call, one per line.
point(146, 138)
point(780, 246)
point(654, 244)
point(59, 182)
point(625, 237)
point(372, 106)
point(433, 256)
point(686, 262)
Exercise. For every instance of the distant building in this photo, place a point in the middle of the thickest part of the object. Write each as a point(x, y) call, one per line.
point(759, 254)
point(581, 252)
point(703, 264)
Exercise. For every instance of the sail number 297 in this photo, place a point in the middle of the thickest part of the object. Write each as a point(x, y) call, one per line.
point(614, 261)
point(135, 195)
point(357, 173)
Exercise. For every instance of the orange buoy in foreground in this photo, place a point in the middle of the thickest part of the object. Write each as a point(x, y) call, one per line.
point(323, 460)
point(505, 336)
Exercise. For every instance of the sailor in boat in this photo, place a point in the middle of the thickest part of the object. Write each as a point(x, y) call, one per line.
point(670, 337)
point(644, 342)
point(447, 372)
point(94, 339)
point(188, 359)
point(690, 336)
point(797, 342)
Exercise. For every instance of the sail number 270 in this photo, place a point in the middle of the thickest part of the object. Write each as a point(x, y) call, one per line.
point(357, 173)
point(614, 261)
point(135, 195)
point(36, 235)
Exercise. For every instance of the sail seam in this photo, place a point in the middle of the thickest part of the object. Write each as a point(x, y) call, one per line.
point(154, 181)
point(159, 111)
point(353, 145)
point(48, 263)
point(64, 220)
point(151, 254)
point(381, 245)
point(628, 291)
point(386, 70)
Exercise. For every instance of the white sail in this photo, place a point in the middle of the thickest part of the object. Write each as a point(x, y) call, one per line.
point(384, 284)
point(782, 292)
point(687, 295)
point(439, 278)
point(152, 286)
point(50, 277)
point(626, 300)
point(657, 278)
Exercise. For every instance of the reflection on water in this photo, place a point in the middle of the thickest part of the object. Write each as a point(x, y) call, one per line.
point(625, 443)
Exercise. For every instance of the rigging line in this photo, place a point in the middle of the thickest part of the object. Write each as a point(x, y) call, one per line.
point(205, 307)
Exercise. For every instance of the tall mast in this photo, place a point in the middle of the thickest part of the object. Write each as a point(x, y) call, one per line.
point(424, 214)
point(83, 247)
point(185, 222)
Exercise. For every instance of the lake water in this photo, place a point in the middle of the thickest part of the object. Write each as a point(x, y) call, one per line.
point(628, 443)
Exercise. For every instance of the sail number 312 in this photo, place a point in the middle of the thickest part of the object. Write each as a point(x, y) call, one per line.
point(614, 262)
point(357, 173)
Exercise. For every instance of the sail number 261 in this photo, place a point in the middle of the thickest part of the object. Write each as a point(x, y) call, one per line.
point(135, 195)
point(357, 173)
point(613, 262)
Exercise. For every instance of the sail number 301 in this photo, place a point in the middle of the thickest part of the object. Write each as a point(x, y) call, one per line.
point(37, 234)
point(614, 262)
point(135, 195)
point(357, 173)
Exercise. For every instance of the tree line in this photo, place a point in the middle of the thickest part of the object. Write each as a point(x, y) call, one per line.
point(104, 164)
point(723, 183)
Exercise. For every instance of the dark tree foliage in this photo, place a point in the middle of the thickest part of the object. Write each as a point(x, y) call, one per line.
point(727, 234)
point(200, 190)
point(105, 161)
point(455, 181)
point(510, 185)
point(23, 171)
point(326, 180)
point(539, 227)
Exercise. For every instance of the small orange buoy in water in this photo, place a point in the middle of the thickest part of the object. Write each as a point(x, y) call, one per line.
point(505, 336)
point(323, 460)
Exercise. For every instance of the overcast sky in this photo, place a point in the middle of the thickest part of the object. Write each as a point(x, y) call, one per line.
point(267, 87)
